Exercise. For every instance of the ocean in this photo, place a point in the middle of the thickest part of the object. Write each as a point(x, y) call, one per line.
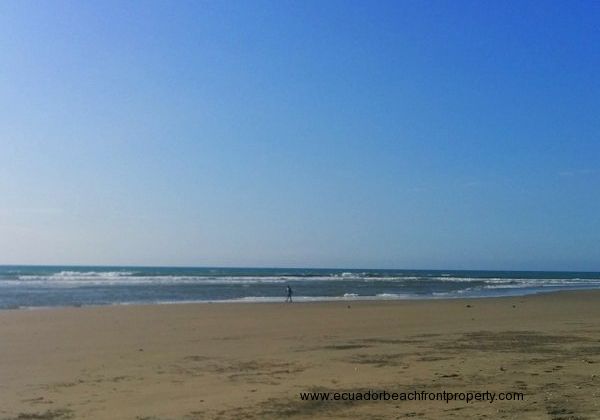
point(52, 286)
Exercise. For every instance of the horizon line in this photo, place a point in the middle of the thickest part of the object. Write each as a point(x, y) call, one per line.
point(297, 268)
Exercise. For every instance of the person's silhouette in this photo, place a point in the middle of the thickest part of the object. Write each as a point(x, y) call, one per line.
point(289, 291)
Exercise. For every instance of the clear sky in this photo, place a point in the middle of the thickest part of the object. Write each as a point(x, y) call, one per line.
point(402, 134)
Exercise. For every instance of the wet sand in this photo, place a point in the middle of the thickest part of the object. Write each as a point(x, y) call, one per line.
point(236, 361)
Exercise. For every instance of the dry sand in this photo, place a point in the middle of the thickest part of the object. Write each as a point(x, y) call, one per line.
point(252, 360)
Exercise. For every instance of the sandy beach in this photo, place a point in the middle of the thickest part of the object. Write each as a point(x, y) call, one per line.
point(222, 361)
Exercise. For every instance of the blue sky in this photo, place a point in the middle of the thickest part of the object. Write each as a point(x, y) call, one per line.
point(405, 134)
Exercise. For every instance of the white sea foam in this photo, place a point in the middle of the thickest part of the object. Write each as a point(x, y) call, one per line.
point(394, 296)
point(534, 283)
point(390, 278)
point(92, 274)
point(457, 279)
point(112, 280)
point(74, 278)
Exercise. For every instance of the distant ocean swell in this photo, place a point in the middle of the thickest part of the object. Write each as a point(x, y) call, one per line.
point(36, 286)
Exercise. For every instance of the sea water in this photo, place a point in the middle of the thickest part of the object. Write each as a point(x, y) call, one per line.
point(46, 286)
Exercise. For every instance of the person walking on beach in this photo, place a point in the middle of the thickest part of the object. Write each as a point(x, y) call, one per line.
point(289, 294)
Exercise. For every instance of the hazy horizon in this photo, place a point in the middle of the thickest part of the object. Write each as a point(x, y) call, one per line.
point(353, 269)
point(442, 135)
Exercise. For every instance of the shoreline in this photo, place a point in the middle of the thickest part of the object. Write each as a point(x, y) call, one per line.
point(318, 300)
